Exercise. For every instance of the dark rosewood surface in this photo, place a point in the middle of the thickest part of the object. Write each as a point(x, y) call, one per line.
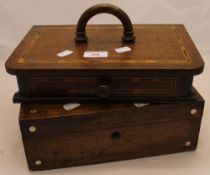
point(162, 62)
point(96, 133)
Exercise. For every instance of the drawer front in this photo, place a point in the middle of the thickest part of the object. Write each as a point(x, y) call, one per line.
point(103, 87)
point(110, 144)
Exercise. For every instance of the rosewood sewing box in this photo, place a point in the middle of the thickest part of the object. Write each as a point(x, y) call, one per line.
point(96, 133)
point(161, 64)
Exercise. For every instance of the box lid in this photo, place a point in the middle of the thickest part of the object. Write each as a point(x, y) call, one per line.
point(194, 100)
point(157, 48)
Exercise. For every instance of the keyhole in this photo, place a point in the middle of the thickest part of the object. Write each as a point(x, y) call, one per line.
point(116, 135)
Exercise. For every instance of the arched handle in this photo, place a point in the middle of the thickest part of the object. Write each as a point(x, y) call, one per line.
point(127, 37)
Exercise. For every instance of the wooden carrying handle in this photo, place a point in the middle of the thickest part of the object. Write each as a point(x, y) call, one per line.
point(128, 36)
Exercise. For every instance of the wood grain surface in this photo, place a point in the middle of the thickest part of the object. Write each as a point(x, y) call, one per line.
point(158, 47)
point(96, 133)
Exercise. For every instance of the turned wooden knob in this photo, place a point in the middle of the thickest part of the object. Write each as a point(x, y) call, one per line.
point(103, 91)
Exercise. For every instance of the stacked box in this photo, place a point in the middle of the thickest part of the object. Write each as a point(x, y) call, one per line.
point(126, 98)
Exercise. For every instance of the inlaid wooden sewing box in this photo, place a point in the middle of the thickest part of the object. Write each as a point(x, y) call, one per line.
point(96, 133)
point(161, 64)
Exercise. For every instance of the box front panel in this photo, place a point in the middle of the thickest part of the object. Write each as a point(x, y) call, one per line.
point(110, 144)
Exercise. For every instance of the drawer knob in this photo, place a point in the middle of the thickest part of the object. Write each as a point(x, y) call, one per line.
point(103, 91)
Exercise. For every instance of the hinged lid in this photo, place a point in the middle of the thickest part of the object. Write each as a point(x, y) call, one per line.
point(155, 48)
point(194, 100)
